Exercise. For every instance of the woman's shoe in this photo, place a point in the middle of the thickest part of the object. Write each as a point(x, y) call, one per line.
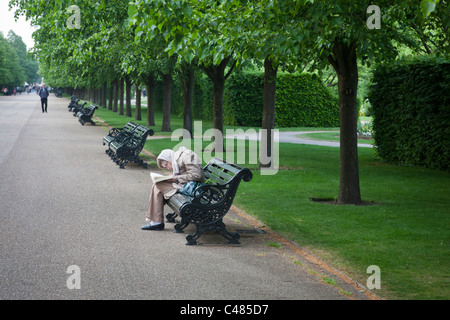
point(157, 227)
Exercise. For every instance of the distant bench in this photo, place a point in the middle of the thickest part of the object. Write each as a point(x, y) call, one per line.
point(73, 103)
point(118, 134)
point(125, 144)
point(77, 108)
point(210, 202)
point(85, 114)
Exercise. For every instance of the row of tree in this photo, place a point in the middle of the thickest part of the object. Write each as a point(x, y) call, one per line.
point(85, 43)
point(16, 67)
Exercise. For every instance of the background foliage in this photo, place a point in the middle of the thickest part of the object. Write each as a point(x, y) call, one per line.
point(15, 66)
point(301, 101)
point(410, 104)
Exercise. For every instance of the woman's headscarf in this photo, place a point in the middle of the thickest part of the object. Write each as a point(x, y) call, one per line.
point(168, 155)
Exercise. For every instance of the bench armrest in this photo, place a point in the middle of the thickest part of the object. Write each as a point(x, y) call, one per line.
point(209, 194)
point(114, 131)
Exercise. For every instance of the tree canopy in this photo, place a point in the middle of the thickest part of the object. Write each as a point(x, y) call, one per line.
point(118, 39)
point(15, 66)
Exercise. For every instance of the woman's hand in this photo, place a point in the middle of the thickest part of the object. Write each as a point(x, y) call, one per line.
point(173, 179)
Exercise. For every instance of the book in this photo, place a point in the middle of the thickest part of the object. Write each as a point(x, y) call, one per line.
point(156, 177)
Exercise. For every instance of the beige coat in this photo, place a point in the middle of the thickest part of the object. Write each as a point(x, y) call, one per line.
point(190, 169)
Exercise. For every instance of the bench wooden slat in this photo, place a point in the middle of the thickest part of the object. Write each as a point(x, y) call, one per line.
point(177, 201)
point(227, 166)
point(218, 175)
point(214, 178)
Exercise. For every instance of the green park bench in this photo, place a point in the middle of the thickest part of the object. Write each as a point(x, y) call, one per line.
point(125, 144)
point(210, 202)
point(85, 114)
point(118, 134)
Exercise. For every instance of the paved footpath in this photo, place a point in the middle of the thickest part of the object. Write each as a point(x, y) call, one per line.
point(65, 203)
point(295, 137)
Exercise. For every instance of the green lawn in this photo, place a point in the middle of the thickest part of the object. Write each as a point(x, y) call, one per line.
point(404, 232)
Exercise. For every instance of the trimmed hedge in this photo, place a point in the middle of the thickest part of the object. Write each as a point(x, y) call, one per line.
point(243, 99)
point(410, 105)
point(301, 101)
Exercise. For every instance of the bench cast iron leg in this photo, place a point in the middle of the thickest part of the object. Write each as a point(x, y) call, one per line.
point(179, 227)
point(170, 217)
point(142, 163)
point(233, 237)
point(218, 226)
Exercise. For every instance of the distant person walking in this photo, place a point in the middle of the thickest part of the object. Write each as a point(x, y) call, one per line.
point(43, 93)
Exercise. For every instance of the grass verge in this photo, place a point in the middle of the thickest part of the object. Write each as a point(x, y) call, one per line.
point(404, 233)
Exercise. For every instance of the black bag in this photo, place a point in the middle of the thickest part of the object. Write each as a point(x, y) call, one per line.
point(189, 188)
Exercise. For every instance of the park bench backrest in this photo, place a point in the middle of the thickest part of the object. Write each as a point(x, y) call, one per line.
point(138, 136)
point(221, 172)
point(130, 127)
point(90, 110)
point(226, 177)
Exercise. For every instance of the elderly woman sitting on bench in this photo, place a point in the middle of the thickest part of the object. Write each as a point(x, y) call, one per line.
point(185, 166)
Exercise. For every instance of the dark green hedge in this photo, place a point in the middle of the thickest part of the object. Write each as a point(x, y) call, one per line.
point(301, 101)
point(244, 99)
point(410, 105)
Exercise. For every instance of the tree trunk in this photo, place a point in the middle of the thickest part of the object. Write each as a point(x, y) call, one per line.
point(344, 62)
point(121, 96)
point(99, 96)
point(138, 102)
point(110, 96)
point(104, 94)
point(128, 97)
point(150, 106)
point(187, 83)
point(219, 88)
point(216, 74)
point(116, 95)
point(167, 102)
point(268, 121)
